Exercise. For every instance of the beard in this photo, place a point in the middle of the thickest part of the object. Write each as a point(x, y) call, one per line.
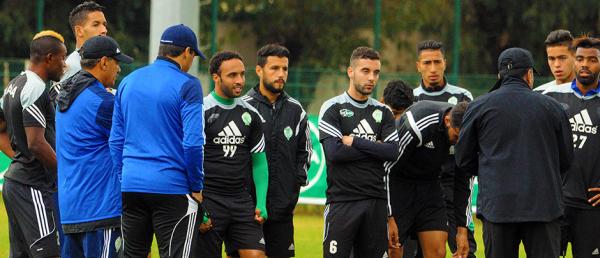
point(228, 92)
point(587, 80)
point(270, 87)
point(361, 89)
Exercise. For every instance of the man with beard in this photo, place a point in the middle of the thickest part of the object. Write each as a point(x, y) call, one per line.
point(234, 136)
point(30, 181)
point(560, 59)
point(288, 147)
point(581, 184)
point(358, 137)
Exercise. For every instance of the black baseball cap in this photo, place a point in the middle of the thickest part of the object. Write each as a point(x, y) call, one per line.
point(100, 46)
point(513, 61)
point(181, 36)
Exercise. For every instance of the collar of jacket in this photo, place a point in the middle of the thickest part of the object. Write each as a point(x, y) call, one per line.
point(436, 88)
point(166, 59)
point(72, 87)
point(255, 93)
point(510, 81)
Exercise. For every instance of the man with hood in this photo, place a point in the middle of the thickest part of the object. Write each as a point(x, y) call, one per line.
point(85, 174)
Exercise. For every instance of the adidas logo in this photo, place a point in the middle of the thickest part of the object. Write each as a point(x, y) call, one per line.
point(262, 241)
point(583, 123)
point(364, 130)
point(596, 252)
point(291, 247)
point(230, 135)
point(430, 145)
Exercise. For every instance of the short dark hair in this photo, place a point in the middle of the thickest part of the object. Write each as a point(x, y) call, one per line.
point(430, 45)
point(586, 42)
point(220, 57)
point(457, 113)
point(166, 50)
point(78, 15)
point(42, 46)
point(364, 53)
point(271, 50)
point(398, 94)
point(559, 38)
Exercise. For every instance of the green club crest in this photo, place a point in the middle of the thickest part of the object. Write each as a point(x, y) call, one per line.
point(288, 132)
point(118, 244)
point(246, 118)
point(453, 100)
point(377, 115)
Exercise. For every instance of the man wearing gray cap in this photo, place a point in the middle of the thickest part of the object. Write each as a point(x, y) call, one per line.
point(85, 175)
point(156, 143)
point(519, 144)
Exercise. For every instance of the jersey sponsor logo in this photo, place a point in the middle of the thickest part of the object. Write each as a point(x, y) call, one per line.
point(346, 113)
point(582, 123)
point(229, 137)
point(212, 118)
point(364, 130)
point(377, 115)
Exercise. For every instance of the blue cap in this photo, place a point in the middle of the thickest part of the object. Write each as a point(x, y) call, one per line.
point(181, 36)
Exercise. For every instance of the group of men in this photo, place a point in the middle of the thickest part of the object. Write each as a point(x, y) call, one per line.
point(158, 158)
point(534, 156)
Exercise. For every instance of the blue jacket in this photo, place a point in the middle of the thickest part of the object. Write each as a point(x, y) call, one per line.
point(157, 136)
point(89, 190)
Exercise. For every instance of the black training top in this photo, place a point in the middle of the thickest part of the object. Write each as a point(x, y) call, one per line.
point(26, 104)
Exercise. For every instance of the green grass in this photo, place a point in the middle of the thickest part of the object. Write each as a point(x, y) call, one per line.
point(308, 226)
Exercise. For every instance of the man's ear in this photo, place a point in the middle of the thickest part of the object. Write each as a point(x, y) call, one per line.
point(447, 122)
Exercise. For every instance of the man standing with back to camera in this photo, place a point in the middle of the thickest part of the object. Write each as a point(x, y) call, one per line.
point(288, 147)
point(519, 145)
point(156, 144)
point(358, 135)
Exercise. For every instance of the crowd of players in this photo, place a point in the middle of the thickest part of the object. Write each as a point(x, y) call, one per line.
point(158, 158)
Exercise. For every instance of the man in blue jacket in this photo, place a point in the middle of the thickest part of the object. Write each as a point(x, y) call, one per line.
point(156, 143)
point(85, 176)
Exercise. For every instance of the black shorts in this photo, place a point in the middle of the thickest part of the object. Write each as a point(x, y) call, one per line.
point(583, 231)
point(31, 218)
point(279, 237)
point(173, 218)
point(233, 223)
point(418, 207)
point(359, 227)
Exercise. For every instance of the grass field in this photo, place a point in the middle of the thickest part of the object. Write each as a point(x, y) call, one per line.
point(308, 225)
